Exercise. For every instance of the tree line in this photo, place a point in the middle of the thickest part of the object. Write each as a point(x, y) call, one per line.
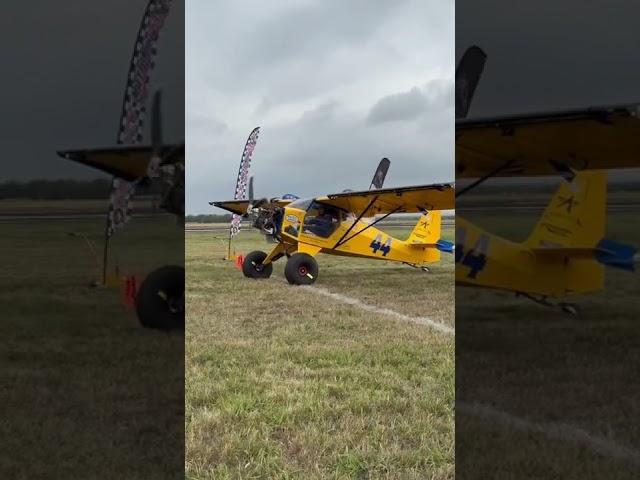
point(63, 189)
point(226, 218)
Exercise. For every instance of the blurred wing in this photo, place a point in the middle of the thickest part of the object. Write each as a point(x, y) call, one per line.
point(595, 138)
point(395, 200)
point(127, 162)
point(239, 207)
point(281, 202)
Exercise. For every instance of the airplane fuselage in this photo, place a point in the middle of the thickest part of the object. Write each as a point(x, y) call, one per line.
point(489, 261)
point(324, 229)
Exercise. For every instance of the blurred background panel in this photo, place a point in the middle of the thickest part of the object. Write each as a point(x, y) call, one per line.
point(87, 391)
point(543, 384)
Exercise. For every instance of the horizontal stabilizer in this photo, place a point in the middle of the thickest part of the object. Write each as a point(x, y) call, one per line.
point(607, 252)
point(441, 245)
point(445, 246)
point(614, 254)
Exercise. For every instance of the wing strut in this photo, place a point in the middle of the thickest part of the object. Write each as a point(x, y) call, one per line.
point(486, 177)
point(341, 241)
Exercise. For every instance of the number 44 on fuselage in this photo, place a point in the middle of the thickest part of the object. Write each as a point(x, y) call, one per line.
point(335, 224)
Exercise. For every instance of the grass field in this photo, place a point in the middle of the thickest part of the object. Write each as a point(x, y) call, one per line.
point(282, 382)
point(564, 382)
point(9, 206)
point(86, 393)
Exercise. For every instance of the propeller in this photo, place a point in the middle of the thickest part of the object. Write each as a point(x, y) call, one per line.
point(172, 196)
point(260, 213)
point(159, 153)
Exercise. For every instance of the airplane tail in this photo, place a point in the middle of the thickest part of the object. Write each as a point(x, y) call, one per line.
point(427, 230)
point(575, 216)
point(427, 233)
point(572, 229)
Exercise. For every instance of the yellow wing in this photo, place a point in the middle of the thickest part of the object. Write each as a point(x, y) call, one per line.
point(241, 207)
point(596, 138)
point(394, 200)
point(128, 162)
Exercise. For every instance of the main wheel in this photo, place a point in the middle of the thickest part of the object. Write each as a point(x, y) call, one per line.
point(301, 269)
point(252, 266)
point(160, 300)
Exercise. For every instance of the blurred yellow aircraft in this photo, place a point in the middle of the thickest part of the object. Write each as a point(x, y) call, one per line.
point(564, 256)
point(566, 252)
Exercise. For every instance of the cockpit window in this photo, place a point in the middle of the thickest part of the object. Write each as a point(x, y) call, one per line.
point(301, 204)
point(321, 220)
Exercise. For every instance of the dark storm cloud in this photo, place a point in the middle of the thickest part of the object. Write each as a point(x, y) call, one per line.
point(64, 70)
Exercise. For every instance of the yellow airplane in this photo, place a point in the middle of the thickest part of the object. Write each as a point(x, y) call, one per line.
point(334, 224)
point(564, 256)
point(566, 252)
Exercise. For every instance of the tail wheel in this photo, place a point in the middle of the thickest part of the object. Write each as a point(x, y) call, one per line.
point(253, 267)
point(160, 300)
point(301, 269)
point(570, 308)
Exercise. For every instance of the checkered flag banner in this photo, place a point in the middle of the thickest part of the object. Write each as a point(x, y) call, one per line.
point(130, 129)
point(243, 176)
point(235, 224)
point(120, 206)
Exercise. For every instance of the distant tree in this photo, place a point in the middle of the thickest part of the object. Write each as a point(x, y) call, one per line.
point(66, 189)
point(226, 218)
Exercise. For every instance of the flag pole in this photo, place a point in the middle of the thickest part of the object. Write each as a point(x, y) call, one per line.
point(105, 254)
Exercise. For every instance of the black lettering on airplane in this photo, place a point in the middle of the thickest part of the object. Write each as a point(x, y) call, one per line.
point(568, 202)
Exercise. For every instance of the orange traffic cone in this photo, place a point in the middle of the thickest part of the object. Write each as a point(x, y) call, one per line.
point(239, 261)
point(130, 291)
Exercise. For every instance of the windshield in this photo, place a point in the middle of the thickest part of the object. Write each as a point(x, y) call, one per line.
point(301, 204)
point(321, 220)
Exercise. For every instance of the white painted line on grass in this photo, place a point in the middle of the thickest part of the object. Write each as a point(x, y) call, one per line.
point(441, 327)
point(559, 431)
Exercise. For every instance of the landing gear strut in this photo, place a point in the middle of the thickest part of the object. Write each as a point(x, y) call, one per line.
point(253, 267)
point(565, 307)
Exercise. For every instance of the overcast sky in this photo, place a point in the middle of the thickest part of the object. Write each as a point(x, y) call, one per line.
point(63, 75)
point(334, 85)
point(547, 55)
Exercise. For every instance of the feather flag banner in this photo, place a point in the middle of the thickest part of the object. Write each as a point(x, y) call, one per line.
point(243, 177)
point(130, 128)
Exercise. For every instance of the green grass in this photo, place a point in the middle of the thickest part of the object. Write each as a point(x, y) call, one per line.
point(85, 390)
point(12, 206)
point(284, 383)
